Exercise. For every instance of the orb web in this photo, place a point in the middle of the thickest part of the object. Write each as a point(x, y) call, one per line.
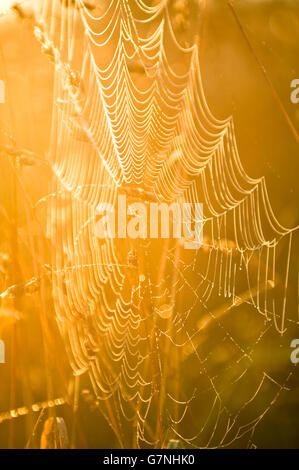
point(159, 329)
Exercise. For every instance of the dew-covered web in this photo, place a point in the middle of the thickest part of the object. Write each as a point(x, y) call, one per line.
point(170, 337)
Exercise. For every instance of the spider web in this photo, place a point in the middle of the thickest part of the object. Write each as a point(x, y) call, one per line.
point(145, 319)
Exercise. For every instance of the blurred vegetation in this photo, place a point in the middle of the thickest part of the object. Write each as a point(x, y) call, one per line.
point(36, 366)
